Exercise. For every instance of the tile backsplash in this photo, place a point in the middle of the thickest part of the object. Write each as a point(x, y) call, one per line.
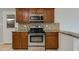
point(48, 27)
point(51, 27)
point(22, 27)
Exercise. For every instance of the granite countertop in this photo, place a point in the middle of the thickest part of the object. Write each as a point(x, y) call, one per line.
point(18, 31)
point(76, 35)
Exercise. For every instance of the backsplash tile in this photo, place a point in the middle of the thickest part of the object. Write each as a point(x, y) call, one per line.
point(22, 27)
point(48, 27)
point(36, 25)
point(51, 27)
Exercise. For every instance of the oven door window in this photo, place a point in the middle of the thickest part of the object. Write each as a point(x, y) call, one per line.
point(36, 39)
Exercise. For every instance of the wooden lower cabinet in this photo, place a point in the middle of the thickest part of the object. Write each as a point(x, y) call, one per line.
point(20, 40)
point(51, 40)
point(24, 43)
point(16, 42)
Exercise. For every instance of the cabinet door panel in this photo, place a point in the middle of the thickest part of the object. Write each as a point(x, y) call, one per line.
point(33, 10)
point(19, 15)
point(16, 42)
point(51, 33)
point(51, 42)
point(20, 40)
point(24, 43)
point(24, 40)
point(22, 15)
point(40, 11)
point(25, 15)
point(49, 15)
point(24, 34)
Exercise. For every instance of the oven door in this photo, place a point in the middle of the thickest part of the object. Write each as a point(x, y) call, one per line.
point(36, 39)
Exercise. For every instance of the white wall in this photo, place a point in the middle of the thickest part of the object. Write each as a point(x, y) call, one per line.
point(68, 19)
point(7, 32)
point(1, 27)
point(66, 42)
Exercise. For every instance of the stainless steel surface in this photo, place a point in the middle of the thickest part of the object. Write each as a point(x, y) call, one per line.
point(36, 19)
point(31, 44)
point(36, 34)
point(36, 14)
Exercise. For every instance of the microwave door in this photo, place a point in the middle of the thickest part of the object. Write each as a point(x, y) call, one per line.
point(36, 18)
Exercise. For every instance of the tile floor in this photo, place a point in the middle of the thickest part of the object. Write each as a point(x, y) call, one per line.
point(8, 47)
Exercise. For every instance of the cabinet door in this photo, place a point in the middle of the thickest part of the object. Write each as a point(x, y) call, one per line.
point(22, 15)
point(40, 11)
point(36, 10)
point(16, 44)
point(33, 10)
point(25, 15)
point(51, 42)
point(49, 16)
point(19, 15)
point(24, 43)
point(24, 40)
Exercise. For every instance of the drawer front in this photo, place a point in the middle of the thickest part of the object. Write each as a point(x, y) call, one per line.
point(51, 33)
point(24, 34)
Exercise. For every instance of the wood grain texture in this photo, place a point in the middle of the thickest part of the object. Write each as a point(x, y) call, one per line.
point(23, 14)
point(51, 40)
point(20, 40)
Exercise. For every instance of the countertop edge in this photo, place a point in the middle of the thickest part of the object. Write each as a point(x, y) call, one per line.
point(76, 35)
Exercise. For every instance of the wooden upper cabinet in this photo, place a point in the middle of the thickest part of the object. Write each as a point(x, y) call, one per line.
point(26, 15)
point(40, 10)
point(49, 15)
point(22, 15)
point(32, 10)
point(19, 14)
point(36, 10)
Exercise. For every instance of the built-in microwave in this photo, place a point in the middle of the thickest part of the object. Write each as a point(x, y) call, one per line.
point(36, 18)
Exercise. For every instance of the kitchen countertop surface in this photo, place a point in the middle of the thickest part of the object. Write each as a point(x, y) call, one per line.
point(76, 35)
point(18, 31)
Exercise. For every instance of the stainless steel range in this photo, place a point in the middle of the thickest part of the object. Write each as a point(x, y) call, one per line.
point(36, 37)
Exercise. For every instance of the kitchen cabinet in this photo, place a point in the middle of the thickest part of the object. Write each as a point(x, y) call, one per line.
point(33, 11)
point(19, 14)
point(51, 41)
point(40, 11)
point(20, 40)
point(49, 15)
point(36, 10)
point(22, 15)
